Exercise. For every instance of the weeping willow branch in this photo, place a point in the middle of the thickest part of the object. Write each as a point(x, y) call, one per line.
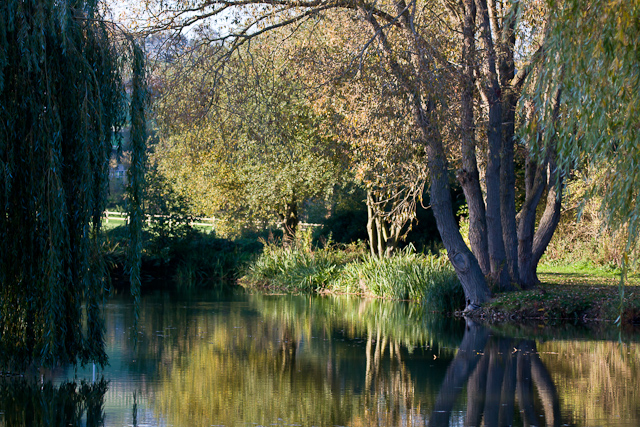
point(62, 103)
point(136, 172)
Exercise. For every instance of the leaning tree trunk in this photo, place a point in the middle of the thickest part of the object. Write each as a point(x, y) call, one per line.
point(548, 224)
point(464, 262)
point(469, 176)
point(532, 243)
point(535, 184)
point(466, 265)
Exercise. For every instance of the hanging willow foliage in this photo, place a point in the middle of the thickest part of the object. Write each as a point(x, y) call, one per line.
point(592, 54)
point(136, 173)
point(62, 102)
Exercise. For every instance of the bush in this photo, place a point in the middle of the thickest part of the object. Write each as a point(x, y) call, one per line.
point(190, 258)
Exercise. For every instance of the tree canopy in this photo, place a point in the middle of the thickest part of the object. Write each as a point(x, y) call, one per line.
point(255, 151)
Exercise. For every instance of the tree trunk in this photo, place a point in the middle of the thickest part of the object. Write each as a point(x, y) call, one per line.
point(466, 266)
point(289, 220)
point(531, 246)
point(548, 224)
point(508, 187)
point(372, 229)
point(510, 95)
point(534, 189)
point(492, 93)
point(383, 237)
point(468, 176)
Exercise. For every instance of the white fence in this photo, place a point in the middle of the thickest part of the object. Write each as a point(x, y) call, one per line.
point(124, 217)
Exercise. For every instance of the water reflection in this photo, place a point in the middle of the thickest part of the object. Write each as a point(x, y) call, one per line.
point(496, 370)
point(35, 403)
point(298, 361)
point(280, 360)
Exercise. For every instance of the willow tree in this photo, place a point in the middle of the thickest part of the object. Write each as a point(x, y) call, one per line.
point(62, 102)
point(593, 54)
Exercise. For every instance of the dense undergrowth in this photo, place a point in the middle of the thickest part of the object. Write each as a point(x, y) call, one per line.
point(407, 275)
point(584, 241)
point(183, 258)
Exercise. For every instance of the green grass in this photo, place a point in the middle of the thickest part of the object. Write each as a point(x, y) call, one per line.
point(298, 267)
point(406, 276)
point(574, 292)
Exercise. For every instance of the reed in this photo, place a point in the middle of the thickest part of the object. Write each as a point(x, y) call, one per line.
point(407, 275)
point(298, 267)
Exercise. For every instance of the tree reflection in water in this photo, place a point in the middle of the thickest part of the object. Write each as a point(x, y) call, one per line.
point(32, 403)
point(497, 370)
point(352, 362)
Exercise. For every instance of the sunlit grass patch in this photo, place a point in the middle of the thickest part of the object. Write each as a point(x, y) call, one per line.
point(428, 279)
point(408, 276)
point(576, 293)
point(298, 267)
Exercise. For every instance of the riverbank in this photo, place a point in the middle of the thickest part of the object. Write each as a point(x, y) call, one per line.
point(301, 268)
point(569, 293)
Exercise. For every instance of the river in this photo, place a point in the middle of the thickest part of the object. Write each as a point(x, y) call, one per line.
point(236, 359)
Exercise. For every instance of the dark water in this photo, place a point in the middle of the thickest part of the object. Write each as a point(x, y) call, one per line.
point(247, 360)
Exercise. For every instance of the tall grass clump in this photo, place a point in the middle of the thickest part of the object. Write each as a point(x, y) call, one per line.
point(429, 279)
point(299, 266)
point(407, 275)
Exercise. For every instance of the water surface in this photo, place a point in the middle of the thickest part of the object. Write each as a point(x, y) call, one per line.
point(247, 360)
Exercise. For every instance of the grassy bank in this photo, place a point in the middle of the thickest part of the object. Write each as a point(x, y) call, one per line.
point(576, 293)
point(300, 268)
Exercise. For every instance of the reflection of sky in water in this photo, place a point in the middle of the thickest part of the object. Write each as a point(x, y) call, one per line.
point(255, 360)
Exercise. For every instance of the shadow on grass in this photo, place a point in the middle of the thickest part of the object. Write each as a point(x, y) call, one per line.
point(571, 297)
